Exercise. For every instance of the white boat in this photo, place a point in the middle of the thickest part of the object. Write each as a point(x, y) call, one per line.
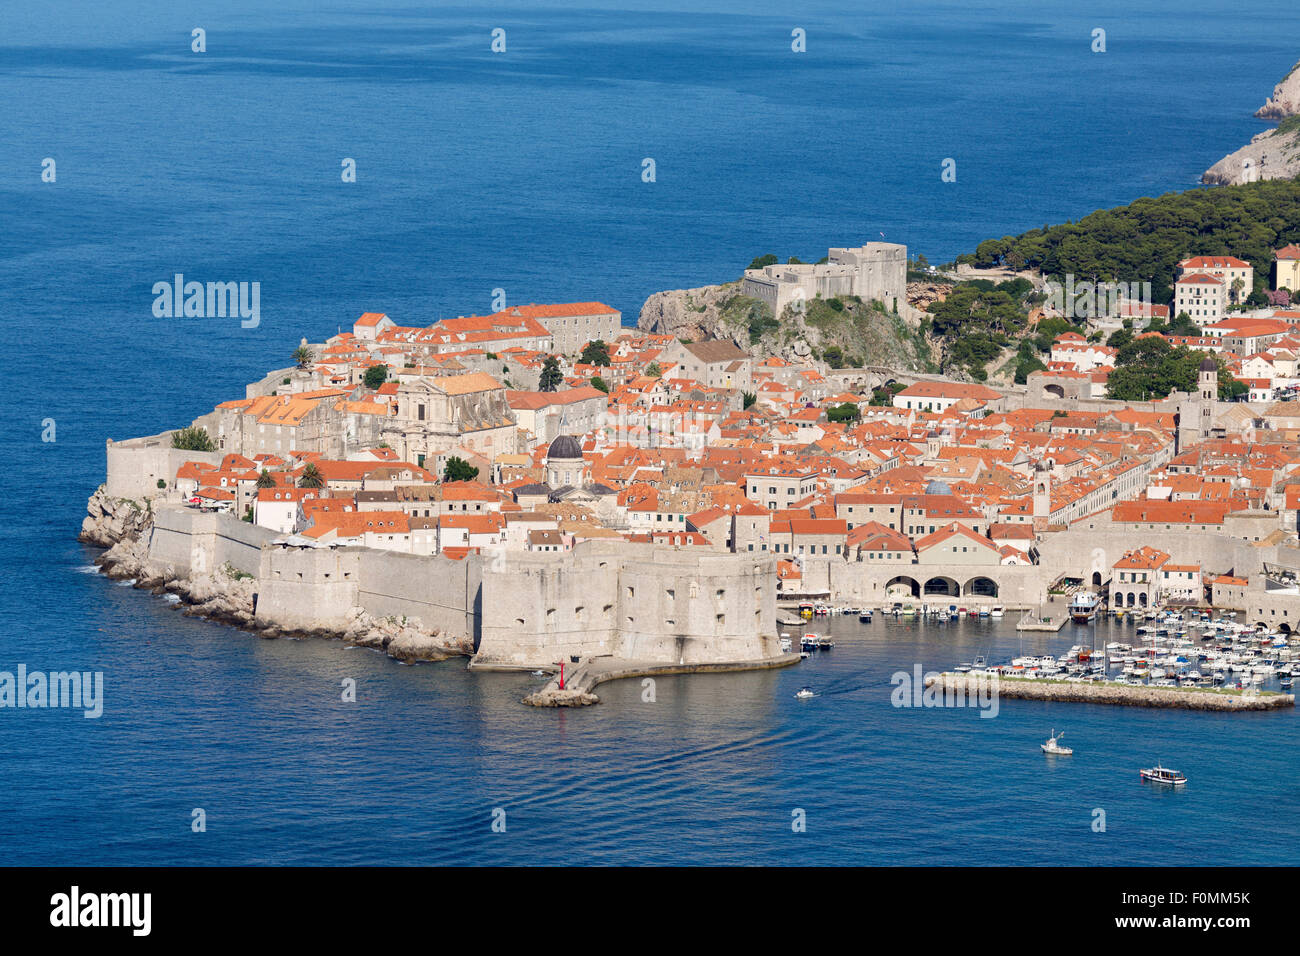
point(805, 694)
point(997, 611)
point(1052, 747)
point(1159, 774)
point(1084, 606)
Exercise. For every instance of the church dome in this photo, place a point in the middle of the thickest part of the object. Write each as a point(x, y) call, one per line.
point(938, 487)
point(1209, 365)
point(564, 448)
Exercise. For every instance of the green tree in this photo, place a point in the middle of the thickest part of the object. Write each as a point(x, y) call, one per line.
point(846, 412)
point(265, 479)
point(653, 370)
point(311, 477)
point(193, 438)
point(551, 375)
point(375, 376)
point(599, 384)
point(595, 353)
point(750, 399)
point(303, 356)
point(761, 261)
point(458, 469)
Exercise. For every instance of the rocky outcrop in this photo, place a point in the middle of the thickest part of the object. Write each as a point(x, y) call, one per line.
point(554, 697)
point(695, 314)
point(112, 520)
point(860, 330)
point(1285, 100)
point(1272, 154)
point(405, 639)
point(921, 295)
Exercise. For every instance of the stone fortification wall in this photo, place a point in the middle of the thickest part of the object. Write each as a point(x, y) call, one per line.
point(642, 603)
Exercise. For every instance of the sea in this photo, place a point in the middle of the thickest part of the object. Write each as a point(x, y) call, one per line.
point(609, 151)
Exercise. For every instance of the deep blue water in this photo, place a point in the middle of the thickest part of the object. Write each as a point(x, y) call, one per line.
point(522, 171)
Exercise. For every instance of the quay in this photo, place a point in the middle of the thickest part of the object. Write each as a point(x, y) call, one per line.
point(581, 681)
point(1111, 693)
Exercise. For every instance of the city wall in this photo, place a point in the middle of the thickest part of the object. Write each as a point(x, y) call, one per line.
point(135, 466)
point(634, 602)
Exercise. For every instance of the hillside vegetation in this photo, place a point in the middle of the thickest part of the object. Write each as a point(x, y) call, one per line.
point(1145, 240)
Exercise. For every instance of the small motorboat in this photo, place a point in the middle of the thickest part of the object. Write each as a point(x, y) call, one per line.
point(1159, 774)
point(865, 617)
point(805, 694)
point(541, 674)
point(1052, 747)
point(997, 611)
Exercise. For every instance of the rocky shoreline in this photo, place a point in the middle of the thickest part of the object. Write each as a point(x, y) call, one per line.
point(225, 595)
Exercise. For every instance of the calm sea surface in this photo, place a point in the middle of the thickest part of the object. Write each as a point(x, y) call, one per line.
point(522, 172)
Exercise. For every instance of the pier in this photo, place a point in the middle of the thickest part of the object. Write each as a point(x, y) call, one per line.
point(1034, 623)
point(1109, 693)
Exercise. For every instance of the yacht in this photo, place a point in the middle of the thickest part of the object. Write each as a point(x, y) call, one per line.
point(1159, 774)
point(1052, 747)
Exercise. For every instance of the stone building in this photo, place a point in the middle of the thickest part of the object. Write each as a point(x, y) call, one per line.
point(458, 411)
point(717, 363)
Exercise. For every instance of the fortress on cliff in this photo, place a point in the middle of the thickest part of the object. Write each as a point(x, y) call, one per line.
point(876, 271)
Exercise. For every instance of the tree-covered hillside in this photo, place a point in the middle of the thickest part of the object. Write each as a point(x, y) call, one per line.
point(1144, 241)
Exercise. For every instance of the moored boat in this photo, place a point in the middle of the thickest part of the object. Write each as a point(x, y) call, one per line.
point(1084, 606)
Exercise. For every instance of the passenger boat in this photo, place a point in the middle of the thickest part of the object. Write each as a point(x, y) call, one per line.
point(865, 616)
point(806, 610)
point(809, 640)
point(1084, 606)
point(1159, 774)
point(804, 694)
point(1052, 747)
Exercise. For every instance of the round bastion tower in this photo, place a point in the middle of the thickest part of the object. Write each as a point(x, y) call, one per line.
point(564, 463)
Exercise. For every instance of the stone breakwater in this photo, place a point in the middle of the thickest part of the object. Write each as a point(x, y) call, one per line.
point(226, 595)
point(1113, 693)
point(579, 684)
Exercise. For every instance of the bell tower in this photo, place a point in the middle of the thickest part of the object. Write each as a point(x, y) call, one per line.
point(1042, 495)
point(1208, 385)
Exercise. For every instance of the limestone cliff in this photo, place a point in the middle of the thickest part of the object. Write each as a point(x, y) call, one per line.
point(1285, 100)
point(1272, 154)
point(861, 331)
